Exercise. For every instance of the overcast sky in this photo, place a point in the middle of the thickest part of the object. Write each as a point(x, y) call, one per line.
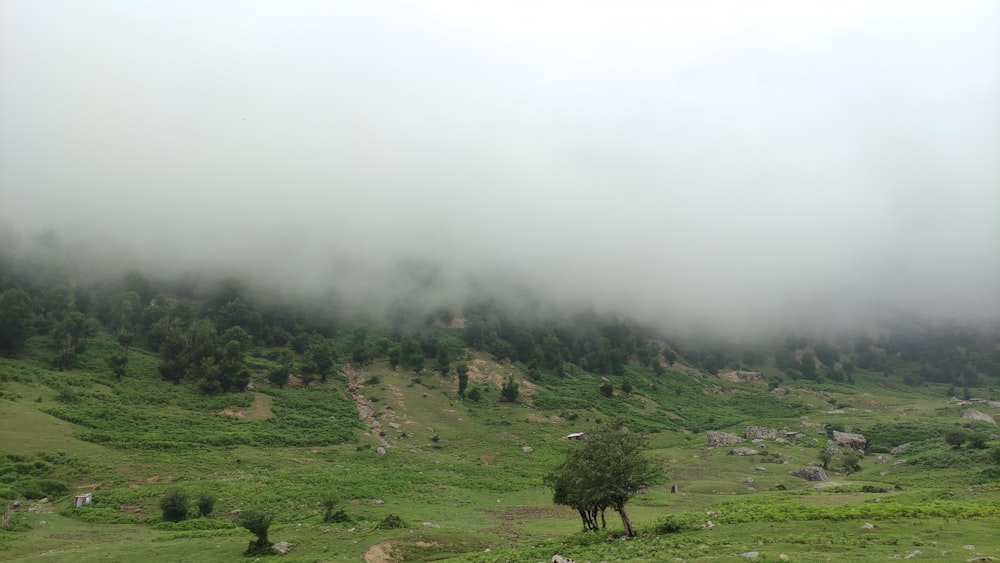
point(729, 162)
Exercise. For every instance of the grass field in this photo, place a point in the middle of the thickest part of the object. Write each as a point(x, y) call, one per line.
point(458, 474)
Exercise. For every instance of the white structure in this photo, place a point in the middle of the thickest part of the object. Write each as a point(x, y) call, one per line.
point(80, 500)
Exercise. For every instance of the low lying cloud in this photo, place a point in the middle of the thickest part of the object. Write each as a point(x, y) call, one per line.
point(687, 163)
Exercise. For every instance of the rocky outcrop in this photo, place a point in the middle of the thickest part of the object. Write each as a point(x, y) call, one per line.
point(855, 442)
point(973, 414)
point(882, 459)
point(721, 438)
point(560, 559)
point(900, 448)
point(282, 547)
point(760, 433)
point(833, 450)
point(811, 473)
point(743, 451)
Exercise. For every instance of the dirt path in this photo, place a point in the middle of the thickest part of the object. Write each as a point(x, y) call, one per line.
point(366, 411)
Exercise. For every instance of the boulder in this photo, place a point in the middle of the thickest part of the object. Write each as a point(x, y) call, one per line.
point(833, 450)
point(380, 450)
point(760, 433)
point(395, 425)
point(750, 554)
point(721, 438)
point(855, 442)
point(743, 451)
point(560, 559)
point(868, 526)
point(882, 459)
point(973, 414)
point(527, 449)
point(900, 448)
point(811, 473)
point(282, 547)
point(898, 462)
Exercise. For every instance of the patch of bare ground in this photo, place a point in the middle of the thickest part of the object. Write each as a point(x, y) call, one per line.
point(260, 408)
point(381, 552)
point(366, 410)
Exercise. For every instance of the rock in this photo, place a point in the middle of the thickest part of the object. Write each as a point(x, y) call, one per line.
point(883, 473)
point(833, 450)
point(811, 473)
point(282, 547)
point(898, 462)
point(395, 425)
point(380, 450)
point(721, 438)
point(376, 501)
point(760, 433)
point(527, 449)
point(778, 391)
point(783, 556)
point(751, 490)
point(43, 500)
point(234, 512)
point(882, 459)
point(750, 554)
point(855, 442)
point(743, 451)
point(973, 414)
point(900, 448)
point(42, 523)
point(782, 441)
point(912, 554)
point(560, 559)
point(993, 404)
point(983, 559)
point(969, 547)
point(868, 526)
point(431, 525)
point(708, 524)
point(748, 480)
point(759, 468)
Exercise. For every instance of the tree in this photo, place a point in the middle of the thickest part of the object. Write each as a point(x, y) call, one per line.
point(463, 378)
point(825, 457)
point(851, 463)
point(206, 503)
point(955, 437)
point(258, 523)
point(279, 375)
point(331, 501)
point(70, 337)
point(118, 364)
point(510, 390)
point(443, 358)
point(607, 388)
point(16, 320)
point(606, 470)
point(175, 505)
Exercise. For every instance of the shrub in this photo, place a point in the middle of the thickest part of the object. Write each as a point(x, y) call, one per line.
point(330, 502)
point(175, 505)
point(390, 522)
point(206, 503)
point(669, 526)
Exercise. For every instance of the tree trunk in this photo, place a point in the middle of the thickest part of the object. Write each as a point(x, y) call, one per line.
point(629, 530)
point(604, 522)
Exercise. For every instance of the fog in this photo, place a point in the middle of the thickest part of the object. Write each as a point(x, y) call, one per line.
point(728, 164)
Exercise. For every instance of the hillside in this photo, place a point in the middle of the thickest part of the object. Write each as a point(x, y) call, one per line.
point(370, 410)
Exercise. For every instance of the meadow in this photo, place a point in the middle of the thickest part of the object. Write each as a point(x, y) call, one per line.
point(464, 477)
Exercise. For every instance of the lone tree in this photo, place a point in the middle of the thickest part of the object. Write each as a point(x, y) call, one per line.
point(258, 523)
point(175, 505)
point(605, 471)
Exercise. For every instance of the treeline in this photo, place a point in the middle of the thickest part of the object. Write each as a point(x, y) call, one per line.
point(203, 332)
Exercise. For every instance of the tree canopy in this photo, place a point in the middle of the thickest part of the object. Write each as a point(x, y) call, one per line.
point(606, 470)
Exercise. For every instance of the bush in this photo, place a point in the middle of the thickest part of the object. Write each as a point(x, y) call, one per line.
point(206, 503)
point(175, 505)
point(669, 526)
point(391, 522)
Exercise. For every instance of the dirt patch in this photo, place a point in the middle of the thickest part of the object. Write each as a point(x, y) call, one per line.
point(157, 479)
point(381, 552)
point(232, 413)
point(829, 484)
point(398, 395)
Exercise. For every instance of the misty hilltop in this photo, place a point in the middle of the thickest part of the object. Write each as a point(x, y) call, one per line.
point(713, 165)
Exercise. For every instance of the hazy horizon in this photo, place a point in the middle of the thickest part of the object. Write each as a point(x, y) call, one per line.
point(742, 167)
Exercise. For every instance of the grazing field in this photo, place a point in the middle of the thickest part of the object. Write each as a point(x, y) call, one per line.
point(464, 478)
